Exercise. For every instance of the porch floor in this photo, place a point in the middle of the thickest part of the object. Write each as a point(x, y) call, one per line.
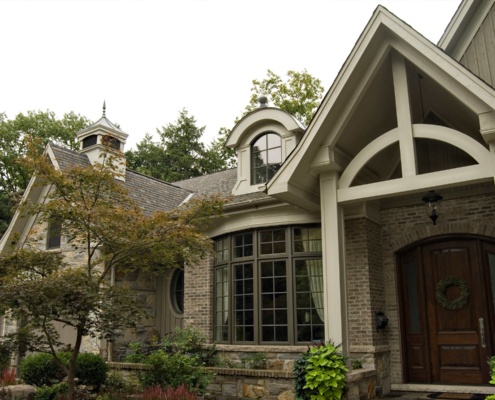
point(427, 392)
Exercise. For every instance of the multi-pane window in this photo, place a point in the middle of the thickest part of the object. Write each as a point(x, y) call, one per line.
point(266, 157)
point(269, 286)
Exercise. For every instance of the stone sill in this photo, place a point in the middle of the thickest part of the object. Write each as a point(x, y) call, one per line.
point(261, 373)
point(359, 374)
point(261, 348)
point(128, 366)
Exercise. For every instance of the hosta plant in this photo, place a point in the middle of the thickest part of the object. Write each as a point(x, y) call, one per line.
point(325, 373)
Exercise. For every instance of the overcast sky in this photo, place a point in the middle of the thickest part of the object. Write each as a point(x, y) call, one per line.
point(150, 58)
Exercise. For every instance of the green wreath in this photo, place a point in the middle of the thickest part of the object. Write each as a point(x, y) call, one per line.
point(456, 304)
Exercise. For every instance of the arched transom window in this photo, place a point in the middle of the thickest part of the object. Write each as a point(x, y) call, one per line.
point(266, 157)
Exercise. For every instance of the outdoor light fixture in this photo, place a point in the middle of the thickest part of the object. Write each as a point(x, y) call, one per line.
point(431, 200)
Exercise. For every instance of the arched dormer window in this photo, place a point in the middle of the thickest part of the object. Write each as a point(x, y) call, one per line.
point(266, 157)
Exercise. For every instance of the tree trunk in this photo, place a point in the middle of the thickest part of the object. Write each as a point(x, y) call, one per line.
point(71, 376)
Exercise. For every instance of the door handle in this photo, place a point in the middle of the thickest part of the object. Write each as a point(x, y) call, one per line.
point(482, 332)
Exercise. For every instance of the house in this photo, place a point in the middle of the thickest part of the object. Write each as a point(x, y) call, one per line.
point(373, 227)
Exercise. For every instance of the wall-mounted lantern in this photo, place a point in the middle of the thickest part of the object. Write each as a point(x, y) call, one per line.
point(431, 200)
point(381, 320)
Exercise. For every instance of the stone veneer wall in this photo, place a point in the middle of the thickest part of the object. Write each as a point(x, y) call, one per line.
point(236, 383)
point(144, 287)
point(467, 210)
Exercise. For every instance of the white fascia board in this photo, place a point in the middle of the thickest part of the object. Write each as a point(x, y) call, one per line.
point(21, 224)
point(49, 152)
point(463, 27)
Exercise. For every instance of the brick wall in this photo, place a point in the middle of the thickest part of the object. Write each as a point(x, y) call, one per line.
point(467, 210)
point(198, 301)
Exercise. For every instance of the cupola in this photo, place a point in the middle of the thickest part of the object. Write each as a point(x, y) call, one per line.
point(101, 137)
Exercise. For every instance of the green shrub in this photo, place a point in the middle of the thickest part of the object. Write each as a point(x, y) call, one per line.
point(5, 354)
point(40, 369)
point(192, 342)
point(174, 370)
point(91, 369)
point(325, 373)
point(254, 361)
point(300, 377)
point(50, 392)
point(491, 363)
point(116, 388)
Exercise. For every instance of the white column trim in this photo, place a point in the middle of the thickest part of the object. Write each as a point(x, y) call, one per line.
point(332, 226)
point(404, 121)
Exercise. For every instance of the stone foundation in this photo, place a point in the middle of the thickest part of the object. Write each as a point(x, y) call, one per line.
point(236, 383)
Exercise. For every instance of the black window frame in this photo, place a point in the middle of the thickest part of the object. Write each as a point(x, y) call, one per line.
point(263, 172)
point(225, 323)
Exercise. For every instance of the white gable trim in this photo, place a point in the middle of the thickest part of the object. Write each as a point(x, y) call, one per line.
point(463, 27)
point(384, 33)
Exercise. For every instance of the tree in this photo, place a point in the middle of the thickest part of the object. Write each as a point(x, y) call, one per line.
point(179, 154)
point(43, 125)
point(300, 95)
point(220, 156)
point(149, 158)
point(102, 222)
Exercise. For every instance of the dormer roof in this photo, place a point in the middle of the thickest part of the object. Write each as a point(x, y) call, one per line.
point(262, 117)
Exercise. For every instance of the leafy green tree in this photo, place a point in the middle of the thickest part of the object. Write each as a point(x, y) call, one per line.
point(184, 152)
point(43, 125)
point(220, 156)
point(149, 158)
point(101, 221)
point(178, 154)
point(300, 95)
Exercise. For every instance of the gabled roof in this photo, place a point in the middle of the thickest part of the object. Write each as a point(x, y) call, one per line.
point(221, 183)
point(149, 193)
point(361, 105)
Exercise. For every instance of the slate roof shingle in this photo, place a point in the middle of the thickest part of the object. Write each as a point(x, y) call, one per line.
point(149, 193)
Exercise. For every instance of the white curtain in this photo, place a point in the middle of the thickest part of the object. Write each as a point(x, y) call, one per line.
point(315, 269)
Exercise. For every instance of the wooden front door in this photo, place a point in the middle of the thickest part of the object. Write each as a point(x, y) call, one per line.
point(447, 311)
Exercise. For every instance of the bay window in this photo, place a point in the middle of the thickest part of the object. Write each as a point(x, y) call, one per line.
point(269, 286)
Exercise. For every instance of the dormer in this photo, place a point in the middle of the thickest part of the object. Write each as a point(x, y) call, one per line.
point(94, 138)
point(263, 139)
